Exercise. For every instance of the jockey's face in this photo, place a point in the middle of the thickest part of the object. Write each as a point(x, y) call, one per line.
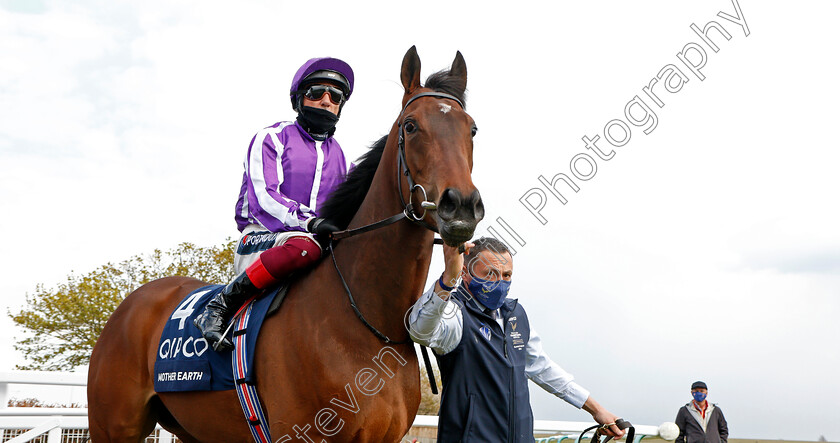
point(325, 102)
point(489, 265)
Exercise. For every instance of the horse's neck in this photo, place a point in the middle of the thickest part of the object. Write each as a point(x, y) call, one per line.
point(385, 268)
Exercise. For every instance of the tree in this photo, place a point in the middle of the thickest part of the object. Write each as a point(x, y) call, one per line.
point(62, 324)
point(429, 403)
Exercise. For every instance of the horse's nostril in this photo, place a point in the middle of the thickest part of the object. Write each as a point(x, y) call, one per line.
point(478, 206)
point(454, 205)
point(449, 204)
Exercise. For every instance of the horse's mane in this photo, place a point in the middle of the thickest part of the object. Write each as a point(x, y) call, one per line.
point(346, 199)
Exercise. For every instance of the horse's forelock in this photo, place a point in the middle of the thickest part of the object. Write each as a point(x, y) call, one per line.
point(443, 81)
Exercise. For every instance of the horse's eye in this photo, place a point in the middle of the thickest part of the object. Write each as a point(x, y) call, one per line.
point(474, 130)
point(410, 127)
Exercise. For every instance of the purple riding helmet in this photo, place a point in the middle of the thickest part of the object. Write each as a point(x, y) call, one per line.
point(321, 69)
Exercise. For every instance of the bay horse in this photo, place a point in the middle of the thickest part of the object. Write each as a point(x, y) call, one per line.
point(320, 372)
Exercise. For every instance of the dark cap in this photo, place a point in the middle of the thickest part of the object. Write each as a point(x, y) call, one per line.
point(698, 384)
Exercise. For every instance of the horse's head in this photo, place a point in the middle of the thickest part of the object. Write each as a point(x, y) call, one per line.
point(436, 137)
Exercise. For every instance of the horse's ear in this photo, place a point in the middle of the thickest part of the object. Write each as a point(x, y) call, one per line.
point(459, 71)
point(410, 74)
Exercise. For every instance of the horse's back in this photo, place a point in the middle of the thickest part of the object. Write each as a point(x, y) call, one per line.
point(120, 381)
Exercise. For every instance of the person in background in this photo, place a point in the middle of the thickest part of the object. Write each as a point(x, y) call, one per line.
point(700, 421)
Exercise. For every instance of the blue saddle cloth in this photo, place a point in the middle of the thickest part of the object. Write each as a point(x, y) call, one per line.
point(186, 362)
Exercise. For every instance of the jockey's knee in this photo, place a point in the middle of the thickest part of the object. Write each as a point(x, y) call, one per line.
point(295, 253)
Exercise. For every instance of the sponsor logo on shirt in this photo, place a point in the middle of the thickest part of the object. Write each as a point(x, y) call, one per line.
point(256, 242)
point(516, 340)
point(485, 332)
point(253, 239)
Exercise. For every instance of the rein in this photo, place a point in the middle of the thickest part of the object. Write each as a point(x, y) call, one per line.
point(353, 305)
point(600, 429)
point(407, 213)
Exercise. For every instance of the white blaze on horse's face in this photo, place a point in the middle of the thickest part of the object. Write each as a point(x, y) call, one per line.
point(445, 108)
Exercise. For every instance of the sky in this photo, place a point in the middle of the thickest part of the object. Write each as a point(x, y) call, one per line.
point(701, 244)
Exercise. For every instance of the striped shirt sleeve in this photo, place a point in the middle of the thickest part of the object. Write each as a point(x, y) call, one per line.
point(264, 169)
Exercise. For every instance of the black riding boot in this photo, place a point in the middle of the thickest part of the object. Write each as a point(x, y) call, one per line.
point(213, 320)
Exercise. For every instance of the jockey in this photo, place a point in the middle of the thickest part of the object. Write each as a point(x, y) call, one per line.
point(290, 170)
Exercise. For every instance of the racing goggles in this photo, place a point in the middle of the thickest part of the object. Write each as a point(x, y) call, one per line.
point(315, 92)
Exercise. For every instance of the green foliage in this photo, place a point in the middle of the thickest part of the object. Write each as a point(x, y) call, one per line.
point(62, 324)
point(429, 403)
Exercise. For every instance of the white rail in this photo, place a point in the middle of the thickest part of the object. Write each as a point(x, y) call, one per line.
point(563, 430)
point(52, 421)
point(49, 421)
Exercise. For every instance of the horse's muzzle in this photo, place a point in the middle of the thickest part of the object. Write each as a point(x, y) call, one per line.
point(458, 215)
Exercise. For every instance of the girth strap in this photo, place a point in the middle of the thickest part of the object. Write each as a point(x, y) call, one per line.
point(247, 392)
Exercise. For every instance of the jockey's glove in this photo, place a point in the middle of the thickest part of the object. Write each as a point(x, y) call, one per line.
point(321, 227)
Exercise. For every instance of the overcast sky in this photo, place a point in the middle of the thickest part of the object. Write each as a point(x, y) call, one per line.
point(704, 247)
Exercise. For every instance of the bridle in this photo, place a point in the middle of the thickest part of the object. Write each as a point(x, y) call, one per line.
point(425, 204)
point(407, 213)
point(408, 207)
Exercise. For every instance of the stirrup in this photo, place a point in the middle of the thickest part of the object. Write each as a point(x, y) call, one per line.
point(224, 344)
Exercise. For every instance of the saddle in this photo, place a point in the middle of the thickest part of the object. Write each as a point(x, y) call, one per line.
point(185, 361)
point(281, 290)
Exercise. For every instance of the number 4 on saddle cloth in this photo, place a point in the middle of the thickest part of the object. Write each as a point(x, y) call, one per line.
point(186, 362)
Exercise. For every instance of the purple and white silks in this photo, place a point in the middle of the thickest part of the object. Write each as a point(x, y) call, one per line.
point(288, 176)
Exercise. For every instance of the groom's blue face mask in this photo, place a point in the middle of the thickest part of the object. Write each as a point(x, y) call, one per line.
point(698, 396)
point(489, 293)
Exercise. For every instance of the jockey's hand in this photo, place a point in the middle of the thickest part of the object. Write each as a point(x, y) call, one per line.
point(321, 227)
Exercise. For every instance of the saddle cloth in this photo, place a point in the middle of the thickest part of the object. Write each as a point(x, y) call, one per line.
point(186, 362)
